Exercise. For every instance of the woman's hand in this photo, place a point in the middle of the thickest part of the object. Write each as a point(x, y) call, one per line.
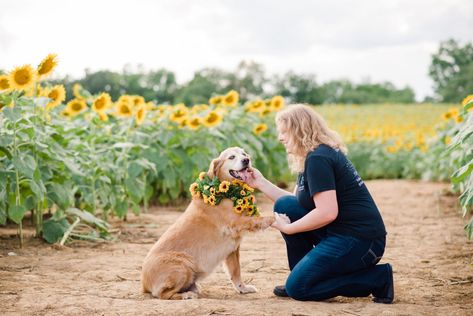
point(281, 223)
point(253, 178)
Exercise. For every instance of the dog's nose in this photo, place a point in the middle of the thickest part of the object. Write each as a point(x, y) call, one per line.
point(245, 161)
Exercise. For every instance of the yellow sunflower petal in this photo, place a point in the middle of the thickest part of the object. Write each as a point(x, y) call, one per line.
point(22, 78)
point(47, 65)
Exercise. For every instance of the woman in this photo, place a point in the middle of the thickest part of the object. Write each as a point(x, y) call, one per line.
point(334, 233)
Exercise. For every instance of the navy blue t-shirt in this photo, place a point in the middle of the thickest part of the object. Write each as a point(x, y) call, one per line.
point(329, 169)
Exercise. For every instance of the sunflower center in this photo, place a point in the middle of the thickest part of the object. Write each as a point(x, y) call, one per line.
point(124, 109)
point(212, 118)
point(77, 106)
point(53, 95)
point(22, 77)
point(100, 104)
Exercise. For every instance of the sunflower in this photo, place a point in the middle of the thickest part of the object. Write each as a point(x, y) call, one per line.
point(239, 202)
point(4, 84)
point(238, 209)
point(265, 111)
point(150, 106)
point(183, 123)
point(467, 100)
point(76, 106)
point(231, 98)
point(458, 119)
point(193, 189)
point(216, 100)
point(57, 94)
point(277, 103)
point(194, 123)
point(102, 102)
point(260, 128)
point(255, 106)
point(22, 78)
point(123, 108)
point(251, 210)
point(224, 186)
point(202, 175)
point(212, 119)
point(248, 188)
point(199, 108)
point(66, 113)
point(448, 115)
point(162, 108)
point(138, 100)
point(178, 114)
point(243, 193)
point(76, 91)
point(212, 200)
point(45, 68)
point(140, 115)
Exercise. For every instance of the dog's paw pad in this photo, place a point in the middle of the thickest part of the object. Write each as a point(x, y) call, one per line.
point(247, 289)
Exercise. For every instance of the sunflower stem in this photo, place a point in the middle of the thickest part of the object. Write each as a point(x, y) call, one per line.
point(94, 193)
point(17, 186)
point(145, 200)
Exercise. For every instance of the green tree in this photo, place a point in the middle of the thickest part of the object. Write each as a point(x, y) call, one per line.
point(298, 88)
point(451, 70)
point(103, 81)
point(201, 87)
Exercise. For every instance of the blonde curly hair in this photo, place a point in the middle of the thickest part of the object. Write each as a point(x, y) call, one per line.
point(306, 130)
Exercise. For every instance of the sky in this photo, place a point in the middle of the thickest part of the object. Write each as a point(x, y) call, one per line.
point(363, 40)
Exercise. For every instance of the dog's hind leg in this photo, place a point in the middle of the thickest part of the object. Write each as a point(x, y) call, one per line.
point(177, 285)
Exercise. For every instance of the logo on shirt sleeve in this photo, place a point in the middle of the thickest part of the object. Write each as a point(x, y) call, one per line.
point(300, 183)
point(357, 177)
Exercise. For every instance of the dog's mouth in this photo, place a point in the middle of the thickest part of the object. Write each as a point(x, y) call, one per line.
point(237, 174)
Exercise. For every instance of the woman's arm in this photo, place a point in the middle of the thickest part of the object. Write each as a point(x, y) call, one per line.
point(256, 180)
point(325, 213)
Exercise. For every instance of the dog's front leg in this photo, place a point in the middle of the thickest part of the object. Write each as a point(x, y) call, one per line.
point(232, 262)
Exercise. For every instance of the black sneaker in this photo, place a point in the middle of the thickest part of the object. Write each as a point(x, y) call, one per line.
point(389, 298)
point(280, 290)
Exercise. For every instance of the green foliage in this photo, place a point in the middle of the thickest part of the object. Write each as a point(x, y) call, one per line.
point(248, 78)
point(451, 70)
point(87, 168)
point(461, 151)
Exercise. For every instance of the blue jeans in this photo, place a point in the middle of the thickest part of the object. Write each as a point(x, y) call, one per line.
point(324, 265)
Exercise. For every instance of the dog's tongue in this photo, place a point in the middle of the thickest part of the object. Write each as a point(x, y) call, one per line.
point(245, 174)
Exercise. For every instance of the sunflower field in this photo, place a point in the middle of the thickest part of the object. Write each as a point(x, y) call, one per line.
point(73, 165)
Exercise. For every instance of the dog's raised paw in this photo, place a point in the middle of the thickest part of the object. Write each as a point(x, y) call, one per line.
point(244, 289)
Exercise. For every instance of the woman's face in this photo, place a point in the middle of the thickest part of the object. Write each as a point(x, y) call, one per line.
point(283, 137)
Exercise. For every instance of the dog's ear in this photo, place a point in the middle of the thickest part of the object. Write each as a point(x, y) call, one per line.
point(214, 166)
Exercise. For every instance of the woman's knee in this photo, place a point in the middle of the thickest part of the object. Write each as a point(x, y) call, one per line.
point(295, 287)
point(289, 205)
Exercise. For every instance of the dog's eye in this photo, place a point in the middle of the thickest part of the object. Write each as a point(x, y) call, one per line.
point(231, 157)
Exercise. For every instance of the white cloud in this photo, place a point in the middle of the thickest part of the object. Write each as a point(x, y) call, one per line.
point(382, 40)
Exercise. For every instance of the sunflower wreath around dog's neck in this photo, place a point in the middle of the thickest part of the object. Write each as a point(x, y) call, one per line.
point(213, 191)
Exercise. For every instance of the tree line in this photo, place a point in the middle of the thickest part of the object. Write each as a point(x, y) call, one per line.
point(451, 71)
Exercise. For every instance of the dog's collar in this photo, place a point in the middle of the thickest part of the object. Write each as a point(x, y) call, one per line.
point(213, 191)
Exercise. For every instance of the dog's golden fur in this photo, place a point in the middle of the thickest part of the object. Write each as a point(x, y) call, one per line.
point(200, 239)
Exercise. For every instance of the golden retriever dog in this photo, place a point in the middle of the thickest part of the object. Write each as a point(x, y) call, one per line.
point(201, 238)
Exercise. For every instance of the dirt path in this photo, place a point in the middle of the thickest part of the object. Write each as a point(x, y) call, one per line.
point(427, 247)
